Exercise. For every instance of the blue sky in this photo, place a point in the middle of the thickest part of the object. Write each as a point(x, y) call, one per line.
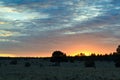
point(38, 27)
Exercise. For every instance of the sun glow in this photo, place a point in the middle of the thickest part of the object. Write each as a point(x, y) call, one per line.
point(87, 53)
point(7, 55)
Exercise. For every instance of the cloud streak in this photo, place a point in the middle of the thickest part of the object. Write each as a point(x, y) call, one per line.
point(38, 25)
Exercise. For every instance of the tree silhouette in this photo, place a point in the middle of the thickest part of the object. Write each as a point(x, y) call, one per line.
point(58, 56)
point(118, 49)
point(117, 56)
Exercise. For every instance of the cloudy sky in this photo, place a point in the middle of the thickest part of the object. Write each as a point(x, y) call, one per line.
point(39, 27)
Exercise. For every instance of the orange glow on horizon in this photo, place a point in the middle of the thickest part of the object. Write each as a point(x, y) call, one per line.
point(70, 51)
point(7, 55)
point(33, 54)
point(90, 49)
point(87, 53)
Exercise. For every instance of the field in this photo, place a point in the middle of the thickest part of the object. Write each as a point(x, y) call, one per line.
point(45, 70)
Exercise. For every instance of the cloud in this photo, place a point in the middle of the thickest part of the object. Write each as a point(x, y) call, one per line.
point(45, 25)
point(86, 13)
point(10, 36)
point(10, 13)
point(2, 23)
point(8, 40)
point(4, 33)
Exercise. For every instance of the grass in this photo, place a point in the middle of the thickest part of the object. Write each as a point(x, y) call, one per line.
point(69, 72)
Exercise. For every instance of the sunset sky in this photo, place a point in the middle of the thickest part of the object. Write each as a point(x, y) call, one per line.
point(39, 27)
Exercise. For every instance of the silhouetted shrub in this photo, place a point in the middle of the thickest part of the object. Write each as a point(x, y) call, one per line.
point(41, 65)
point(13, 62)
point(58, 56)
point(89, 63)
point(118, 49)
point(72, 60)
point(27, 64)
point(117, 64)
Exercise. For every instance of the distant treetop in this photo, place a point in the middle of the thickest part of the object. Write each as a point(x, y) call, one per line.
point(118, 49)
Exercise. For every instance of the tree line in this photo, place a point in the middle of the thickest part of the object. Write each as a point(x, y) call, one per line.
point(59, 56)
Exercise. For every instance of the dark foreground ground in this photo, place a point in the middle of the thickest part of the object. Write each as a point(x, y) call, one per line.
point(45, 70)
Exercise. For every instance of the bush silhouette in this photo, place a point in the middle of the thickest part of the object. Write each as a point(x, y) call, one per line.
point(118, 49)
point(58, 56)
point(27, 64)
point(117, 63)
point(89, 63)
point(13, 62)
point(72, 60)
point(117, 56)
point(41, 65)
